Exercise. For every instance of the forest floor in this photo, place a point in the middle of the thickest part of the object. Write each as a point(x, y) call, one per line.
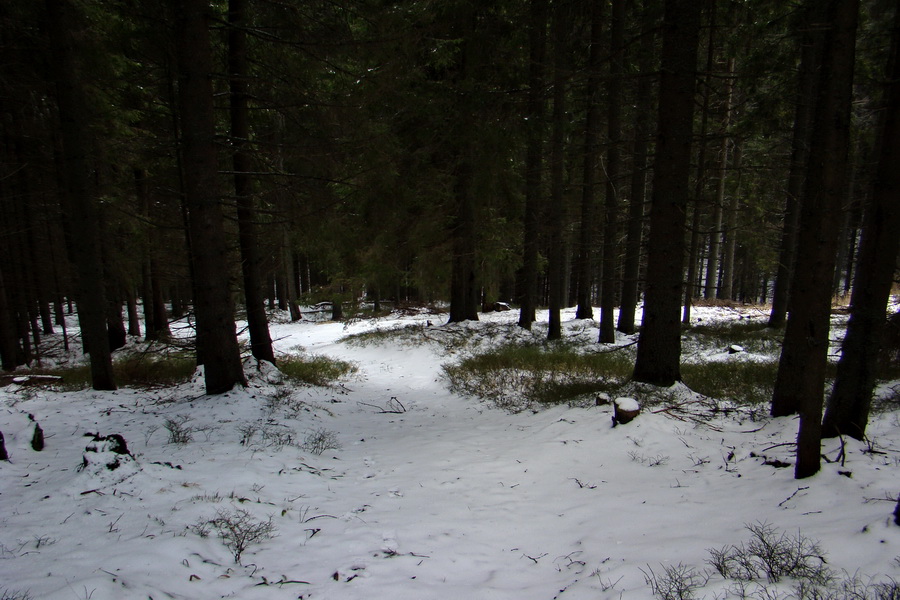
point(390, 486)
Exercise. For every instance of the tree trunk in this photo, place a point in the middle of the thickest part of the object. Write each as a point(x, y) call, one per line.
point(613, 166)
point(464, 293)
point(693, 285)
point(810, 50)
point(848, 407)
point(589, 177)
point(659, 345)
point(534, 151)
point(217, 343)
point(556, 254)
point(257, 324)
point(642, 131)
point(9, 346)
point(799, 386)
point(715, 235)
point(80, 208)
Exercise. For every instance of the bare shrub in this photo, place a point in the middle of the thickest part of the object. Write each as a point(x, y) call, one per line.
point(179, 431)
point(238, 530)
point(320, 440)
point(676, 582)
point(772, 554)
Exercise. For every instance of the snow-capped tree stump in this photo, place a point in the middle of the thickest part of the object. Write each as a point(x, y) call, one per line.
point(625, 410)
point(3, 454)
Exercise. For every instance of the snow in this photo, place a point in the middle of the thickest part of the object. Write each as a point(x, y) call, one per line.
point(429, 496)
point(628, 404)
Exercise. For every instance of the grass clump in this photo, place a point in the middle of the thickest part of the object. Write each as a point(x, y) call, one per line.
point(408, 334)
point(753, 336)
point(137, 371)
point(314, 370)
point(516, 376)
point(745, 382)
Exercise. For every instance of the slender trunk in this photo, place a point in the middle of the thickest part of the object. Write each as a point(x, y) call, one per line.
point(848, 407)
point(810, 49)
point(613, 167)
point(659, 345)
point(463, 286)
point(537, 41)
point(637, 200)
point(589, 178)
point(715, 236)
point(693, 287)
point(556, 254)
point(257, 324)
point(80, 208)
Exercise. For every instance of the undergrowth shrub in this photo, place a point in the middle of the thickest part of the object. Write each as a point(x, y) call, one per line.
point(314, 370)
point(746, 382)
point(237, 529)
point(771, 565)
point(753, 336)
point(320, 440)
point(515, 376)
point(772, 554)
point(136, 371)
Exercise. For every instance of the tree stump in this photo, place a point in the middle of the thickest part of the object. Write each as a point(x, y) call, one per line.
point(625, 410)
point(897, 512)
point(37, 438)
point(3, 453)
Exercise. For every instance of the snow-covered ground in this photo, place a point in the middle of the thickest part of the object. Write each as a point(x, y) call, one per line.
point(429, 496)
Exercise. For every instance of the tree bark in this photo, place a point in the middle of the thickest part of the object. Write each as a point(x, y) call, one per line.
point(589, 177)
point(637, 200)
point(848, 407)
point(556, 255)
point(810, 49)
point(257, 323)
point(464, 282)
point(534, 151)
point(659, 345)
point(715, 236)
point(613, 167)
point(799, 386)
point(217, 345)
point(80, 207)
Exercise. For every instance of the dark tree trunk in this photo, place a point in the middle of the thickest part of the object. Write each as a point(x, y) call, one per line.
point(134, 321)
point(848, 407)
point(80, 208)
point(556, 255)
point(534, 151)
point(810, 49)
point(613, 166)
point(217, 345)
point(799, 386)
point(257, 324)
point(715, 241)
point(589, 178)
point(9, 346)
point(642, 131)
point(692, 282)
point(464, 293)
point(659, 345)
